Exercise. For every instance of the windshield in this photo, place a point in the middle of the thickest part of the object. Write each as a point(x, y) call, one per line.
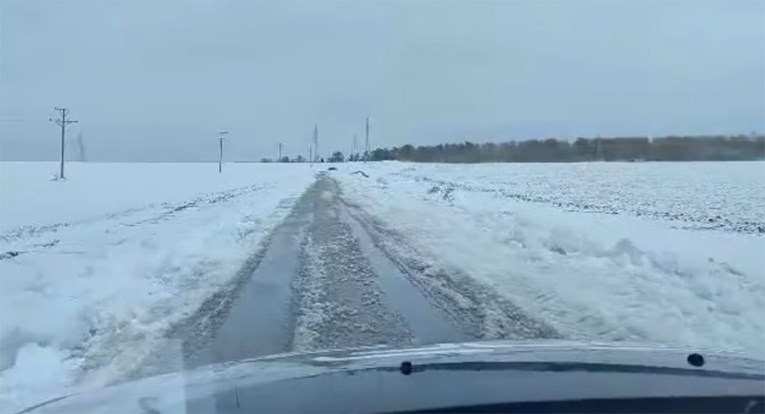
point(192, 183)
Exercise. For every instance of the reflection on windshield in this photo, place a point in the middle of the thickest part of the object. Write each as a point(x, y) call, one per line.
point(191, 184)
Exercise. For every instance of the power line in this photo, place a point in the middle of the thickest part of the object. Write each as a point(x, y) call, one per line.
point(63, 123)
point(10, 119)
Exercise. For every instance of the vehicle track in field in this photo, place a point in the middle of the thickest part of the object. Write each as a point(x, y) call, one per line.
point(36, 238)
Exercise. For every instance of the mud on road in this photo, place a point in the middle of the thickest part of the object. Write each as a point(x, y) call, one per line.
point(332, 277)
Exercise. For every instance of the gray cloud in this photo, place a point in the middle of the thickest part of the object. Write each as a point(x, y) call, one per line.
point(156, 80)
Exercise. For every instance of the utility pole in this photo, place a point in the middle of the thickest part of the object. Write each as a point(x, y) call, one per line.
point(366, 143)
point(353, 150)
point(221, 134)
point(81, 147)
point(63, 123)
point(280, 152)
point(316, 141)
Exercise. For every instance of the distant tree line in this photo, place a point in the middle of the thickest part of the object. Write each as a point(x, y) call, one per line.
point(336, 156)
point(670, 148)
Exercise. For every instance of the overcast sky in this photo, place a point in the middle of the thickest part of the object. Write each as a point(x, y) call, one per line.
point(157, 80)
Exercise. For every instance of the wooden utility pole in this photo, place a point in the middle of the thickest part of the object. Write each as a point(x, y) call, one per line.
point(63, 123)
point(221, 134)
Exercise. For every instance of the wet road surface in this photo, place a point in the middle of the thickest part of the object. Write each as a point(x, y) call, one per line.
point(326, 280)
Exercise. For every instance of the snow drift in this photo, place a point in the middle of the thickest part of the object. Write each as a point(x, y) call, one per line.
point(605, 271)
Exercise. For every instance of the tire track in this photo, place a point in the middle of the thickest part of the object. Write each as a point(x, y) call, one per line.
point(24, 239)
point(477, 307)
point(331, 277)
point(339, 302)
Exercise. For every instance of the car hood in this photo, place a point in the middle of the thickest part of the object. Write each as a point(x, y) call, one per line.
point(332, 372)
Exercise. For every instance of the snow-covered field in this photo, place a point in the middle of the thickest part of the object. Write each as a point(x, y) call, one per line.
point(95, 269)
point(702, 195)
point(650, 252)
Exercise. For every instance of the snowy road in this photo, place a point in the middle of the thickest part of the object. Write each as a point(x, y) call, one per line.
point(184, 266)
point(323, 282)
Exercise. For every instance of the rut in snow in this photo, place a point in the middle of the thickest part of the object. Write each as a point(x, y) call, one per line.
point(332, 277)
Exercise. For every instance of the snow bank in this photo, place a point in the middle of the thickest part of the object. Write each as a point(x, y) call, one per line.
point(95, 269)
point(591, 274)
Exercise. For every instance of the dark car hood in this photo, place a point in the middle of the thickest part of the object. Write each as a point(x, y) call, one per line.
point(372, 377)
